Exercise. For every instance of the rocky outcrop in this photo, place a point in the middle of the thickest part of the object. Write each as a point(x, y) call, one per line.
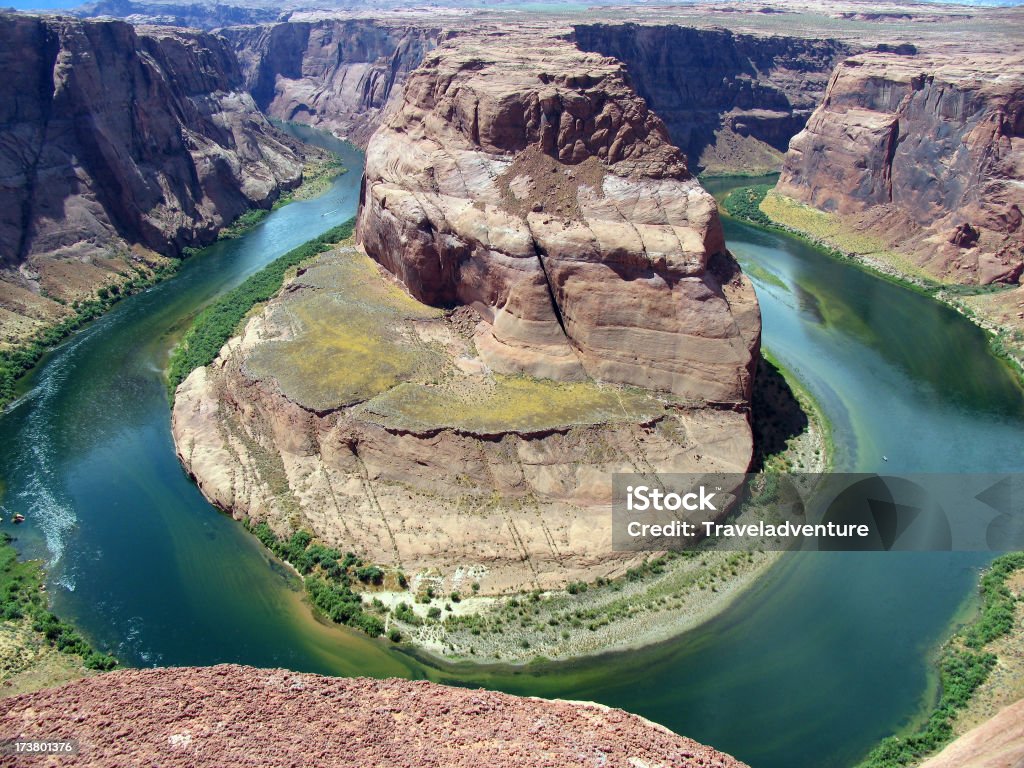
point(526, 179)
point(926, 152)
point(373, 421)
point(996, 743)
point(242, 716)
point(116, 137)
point(336, 74)
point(730, 101)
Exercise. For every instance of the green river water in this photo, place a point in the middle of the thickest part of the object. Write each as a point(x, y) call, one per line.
point(827, 654)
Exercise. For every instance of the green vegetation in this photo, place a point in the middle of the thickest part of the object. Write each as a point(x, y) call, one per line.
point(328, 577)
point(22, 597)
point(17, 361)
point(215, 324)
point(243, 224)
point(510, 402)
point(758, 205)
point(963, 667)
point(745, 203)
point(755, 205)
point(353, 336)
point(316, 180)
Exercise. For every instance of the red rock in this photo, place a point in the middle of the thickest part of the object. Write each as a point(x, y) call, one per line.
point(623, 277)
point(912, 147)
point(241, 716)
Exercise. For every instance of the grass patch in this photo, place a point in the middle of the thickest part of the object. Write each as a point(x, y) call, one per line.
point(351, 341)
point(745, 203)
point(21, 597)
point(963, 667)
point(216, 324)
point(508, 403)
point(243, 224)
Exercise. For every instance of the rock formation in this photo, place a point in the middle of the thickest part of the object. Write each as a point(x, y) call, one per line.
point(241, 716)
point(337, 74)
point(730, 101)
point(543, 193)
point(577, 315)
point(926, 152)
point(117, 137)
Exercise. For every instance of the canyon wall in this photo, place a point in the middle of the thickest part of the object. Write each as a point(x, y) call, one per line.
point(926, 153)
point(730, 101)
point(117, 138)
point(336, 74)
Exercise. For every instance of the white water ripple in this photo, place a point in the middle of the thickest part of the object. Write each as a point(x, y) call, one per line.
point(39, 498)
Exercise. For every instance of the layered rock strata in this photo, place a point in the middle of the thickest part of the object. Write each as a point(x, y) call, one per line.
point(539, 189)
point(337, 74)
point(731, 101)
point(114, 138)
point(573, 313)
point(241, 716)
point(926, 153)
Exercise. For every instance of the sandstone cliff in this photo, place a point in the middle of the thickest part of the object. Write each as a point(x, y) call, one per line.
point(730, 101)
point(573, 313)
point(116, 137)
point(336, 74)
point(539, 189)
point(241, 716)
point(926, 153)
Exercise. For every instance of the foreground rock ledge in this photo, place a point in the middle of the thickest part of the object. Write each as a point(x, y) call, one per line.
point(241, 716)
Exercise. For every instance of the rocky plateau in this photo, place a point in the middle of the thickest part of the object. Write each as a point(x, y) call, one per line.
point(241, 716)
point(924, 153)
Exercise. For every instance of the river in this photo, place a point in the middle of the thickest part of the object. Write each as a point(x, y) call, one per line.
point(828, 653)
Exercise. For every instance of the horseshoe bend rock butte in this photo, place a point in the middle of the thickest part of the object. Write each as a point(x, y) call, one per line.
point(526, 179)
point(241, 716)
point(573, 313)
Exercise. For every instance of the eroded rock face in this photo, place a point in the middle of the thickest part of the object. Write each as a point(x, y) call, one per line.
point(526, 179)
point(926, 151)
point(336, 74)
point(730, 101)
point(350, 410)
point(241, 716)
point(117, 137)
